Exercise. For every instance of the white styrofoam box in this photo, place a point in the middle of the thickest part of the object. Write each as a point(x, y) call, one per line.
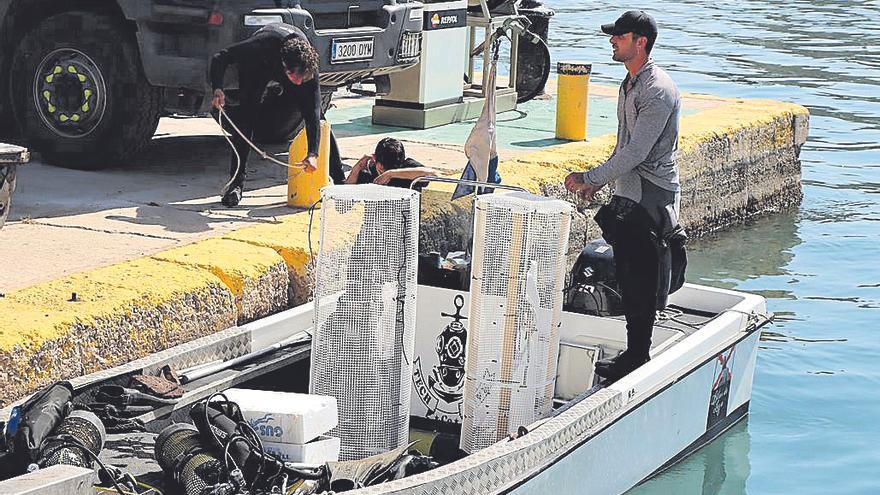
point(318, 451)
point(575, 371)
point(284, 417)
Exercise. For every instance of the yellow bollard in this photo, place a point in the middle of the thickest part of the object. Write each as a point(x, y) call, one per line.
point(572, 100)
point(304, 188)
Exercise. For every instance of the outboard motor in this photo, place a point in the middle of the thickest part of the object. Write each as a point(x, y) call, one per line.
point(592, 287)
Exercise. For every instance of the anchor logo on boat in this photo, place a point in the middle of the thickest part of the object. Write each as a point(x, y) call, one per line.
point(443, 391)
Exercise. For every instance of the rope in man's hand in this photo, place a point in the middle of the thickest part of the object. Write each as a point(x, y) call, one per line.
point(305, 166)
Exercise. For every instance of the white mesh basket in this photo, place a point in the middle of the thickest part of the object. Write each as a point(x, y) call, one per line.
point(365, 304)
point(518, 274)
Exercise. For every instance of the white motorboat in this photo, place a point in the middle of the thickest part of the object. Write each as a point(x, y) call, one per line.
point(601, 440)
point(382, 357)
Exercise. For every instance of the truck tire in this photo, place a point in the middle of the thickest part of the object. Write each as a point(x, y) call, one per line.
point(280, 120)
point(79, 95)
point(533, 69)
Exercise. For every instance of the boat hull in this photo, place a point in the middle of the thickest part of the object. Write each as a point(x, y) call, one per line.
point(605, 441)
point(677, 420)
point(611, 439)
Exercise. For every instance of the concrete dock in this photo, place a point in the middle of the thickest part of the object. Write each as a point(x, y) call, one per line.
point(105, 267)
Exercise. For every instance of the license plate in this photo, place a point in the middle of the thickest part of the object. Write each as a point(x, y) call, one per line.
point(349, 50)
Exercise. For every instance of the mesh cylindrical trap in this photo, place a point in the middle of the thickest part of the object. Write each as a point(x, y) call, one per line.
point(365, 308)
point(518, 274)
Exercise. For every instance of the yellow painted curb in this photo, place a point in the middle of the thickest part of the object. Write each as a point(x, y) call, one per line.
point(553, 163)
point(121, 312)
point(256, 276)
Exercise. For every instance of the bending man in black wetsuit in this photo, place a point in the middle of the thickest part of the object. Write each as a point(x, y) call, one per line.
point(278, 54)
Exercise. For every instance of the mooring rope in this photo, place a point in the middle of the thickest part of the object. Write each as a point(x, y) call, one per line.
point(264, 155)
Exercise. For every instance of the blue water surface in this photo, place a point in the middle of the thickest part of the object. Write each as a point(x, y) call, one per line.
point(814, 426)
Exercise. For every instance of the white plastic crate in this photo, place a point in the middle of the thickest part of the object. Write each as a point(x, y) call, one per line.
point(284, 417)
point(318, 451)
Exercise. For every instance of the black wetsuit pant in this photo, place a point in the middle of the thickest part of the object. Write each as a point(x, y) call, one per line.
point(635, 259)
point(245, 117)
point(637, 267)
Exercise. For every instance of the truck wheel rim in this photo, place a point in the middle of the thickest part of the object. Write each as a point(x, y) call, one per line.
point(70, 93)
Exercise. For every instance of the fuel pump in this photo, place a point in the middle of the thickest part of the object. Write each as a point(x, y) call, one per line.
point(433, 92)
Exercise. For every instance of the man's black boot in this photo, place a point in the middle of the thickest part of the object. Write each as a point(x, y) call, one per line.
point(616, 368)
point(604, 363)
point(232, 197)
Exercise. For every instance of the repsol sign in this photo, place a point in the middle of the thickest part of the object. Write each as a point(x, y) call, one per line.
point(445, 19)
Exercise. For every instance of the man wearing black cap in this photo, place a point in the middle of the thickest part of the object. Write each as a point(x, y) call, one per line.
point(644, 209)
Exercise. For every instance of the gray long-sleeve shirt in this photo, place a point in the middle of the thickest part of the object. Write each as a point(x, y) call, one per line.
point(643, 166)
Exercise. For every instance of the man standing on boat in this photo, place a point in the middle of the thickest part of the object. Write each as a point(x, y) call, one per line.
point(644, 208)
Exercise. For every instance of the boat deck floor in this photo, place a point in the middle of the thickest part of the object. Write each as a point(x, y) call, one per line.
point(134, 452)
